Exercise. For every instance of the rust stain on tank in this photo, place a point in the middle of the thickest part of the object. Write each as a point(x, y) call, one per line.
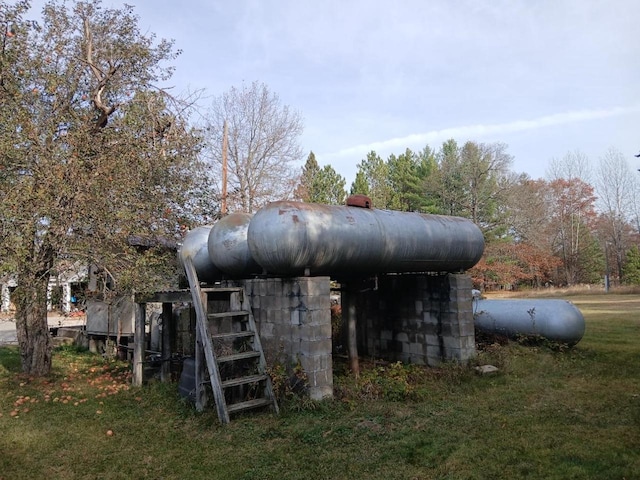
point(295, 218)
point(236, 220)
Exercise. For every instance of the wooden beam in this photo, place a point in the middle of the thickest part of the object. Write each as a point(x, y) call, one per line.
point(139, 341)
point(174, 296)
point(167, 320)
point(352, 339)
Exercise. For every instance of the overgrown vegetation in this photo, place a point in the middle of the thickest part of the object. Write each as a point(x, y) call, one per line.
point(546, 414)
point(99, 163)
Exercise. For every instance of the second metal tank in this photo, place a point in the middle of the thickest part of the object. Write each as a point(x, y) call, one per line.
point(227, 246)
point(553, 319)
point(293, 238)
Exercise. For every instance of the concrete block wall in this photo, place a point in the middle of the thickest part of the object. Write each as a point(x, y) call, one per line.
point(416, 318)
point(294, 321)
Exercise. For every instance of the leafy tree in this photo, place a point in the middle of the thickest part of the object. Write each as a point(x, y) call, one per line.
point(487, 180)
point(93, 158)
point(514, 263)
point(447, 182)
point(262, 145)
point(631, 269)
point(526, 211)
point(570, 204)
point(310, 171)
point(408, 174)
point(590, 262)
point(320, 185)
point(360, 184)
point(374, 173)
point(473, 182)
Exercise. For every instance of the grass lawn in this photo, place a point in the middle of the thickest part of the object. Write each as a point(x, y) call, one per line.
point(548, 414)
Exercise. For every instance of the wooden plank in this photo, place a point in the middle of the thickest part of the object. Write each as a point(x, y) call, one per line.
point(234, 382)
point(256, 403)
point(232, 336)
point(173, 296)
point(238, 313)
point(225, 290)
point(238, 356)
point(138, 344)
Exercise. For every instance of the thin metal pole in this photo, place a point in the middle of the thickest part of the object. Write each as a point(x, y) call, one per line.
point(223, 206)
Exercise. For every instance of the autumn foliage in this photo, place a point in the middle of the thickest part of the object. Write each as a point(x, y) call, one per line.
point(512, 265)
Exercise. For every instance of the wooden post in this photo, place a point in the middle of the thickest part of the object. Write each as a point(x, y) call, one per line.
point(167, 320)
point(139, 341)
point(352, 337)
point(223, 205)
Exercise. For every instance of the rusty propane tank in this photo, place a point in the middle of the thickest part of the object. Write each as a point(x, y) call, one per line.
point(227, 246)
point(294, 238)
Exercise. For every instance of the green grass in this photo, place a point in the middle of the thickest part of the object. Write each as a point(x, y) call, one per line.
point(548, 414)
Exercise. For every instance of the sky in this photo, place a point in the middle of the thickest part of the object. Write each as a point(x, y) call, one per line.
point(544, 77)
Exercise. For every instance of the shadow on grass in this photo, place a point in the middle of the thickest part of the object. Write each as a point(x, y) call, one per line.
point(9, 359)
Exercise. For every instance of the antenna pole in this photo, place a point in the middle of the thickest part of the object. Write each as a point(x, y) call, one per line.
point(223, 206)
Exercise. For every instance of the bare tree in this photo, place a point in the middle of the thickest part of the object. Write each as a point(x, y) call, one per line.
point(615, 185)
point(262, 145)
point(573, 165)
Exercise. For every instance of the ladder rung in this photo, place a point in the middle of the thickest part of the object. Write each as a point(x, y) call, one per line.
point(238, 313)
point(234, 382)
point(238, 356)
point(256, 403)
point(232, 336)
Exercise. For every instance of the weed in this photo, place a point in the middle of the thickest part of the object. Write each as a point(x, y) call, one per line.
point(291, 387)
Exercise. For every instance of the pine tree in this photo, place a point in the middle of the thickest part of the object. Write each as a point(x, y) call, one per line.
point(631, 268)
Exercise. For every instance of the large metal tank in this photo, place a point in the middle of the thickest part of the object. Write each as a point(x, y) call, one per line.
point(227, 246)
point(293, 238)
point(194, 245)
point(553, 319)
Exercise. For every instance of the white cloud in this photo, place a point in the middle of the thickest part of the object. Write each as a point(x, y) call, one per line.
point(482, 131)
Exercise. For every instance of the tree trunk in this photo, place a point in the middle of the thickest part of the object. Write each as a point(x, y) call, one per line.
point(31, 323)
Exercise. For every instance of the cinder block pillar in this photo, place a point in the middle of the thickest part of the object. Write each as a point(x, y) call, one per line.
point(456, 328)
point(293, 317)
point(417, 318)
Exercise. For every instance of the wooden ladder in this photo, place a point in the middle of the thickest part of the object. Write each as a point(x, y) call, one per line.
point(227, 338)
